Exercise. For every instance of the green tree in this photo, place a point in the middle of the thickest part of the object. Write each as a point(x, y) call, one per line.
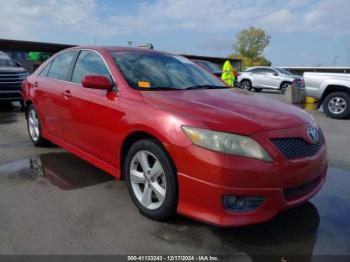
point(249, 46)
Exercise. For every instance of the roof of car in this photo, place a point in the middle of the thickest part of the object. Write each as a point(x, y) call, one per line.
point(118, 48)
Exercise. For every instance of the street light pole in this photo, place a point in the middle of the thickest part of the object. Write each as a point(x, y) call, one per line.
point(335, 60)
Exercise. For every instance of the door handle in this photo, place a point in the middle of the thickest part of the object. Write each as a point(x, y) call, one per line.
point(66, 94)
point(35, 84)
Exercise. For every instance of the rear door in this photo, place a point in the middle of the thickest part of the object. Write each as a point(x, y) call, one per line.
point(48, 92)
point(270, 79)
point(91, 122)
point(258, 75)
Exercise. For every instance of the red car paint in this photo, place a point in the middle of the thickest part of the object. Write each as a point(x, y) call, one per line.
point(93, 124)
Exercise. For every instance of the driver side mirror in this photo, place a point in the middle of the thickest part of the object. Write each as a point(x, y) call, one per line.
point(275, 74)
point(97, 82)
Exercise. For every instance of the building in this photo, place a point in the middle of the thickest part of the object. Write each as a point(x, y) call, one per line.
point(19, 51)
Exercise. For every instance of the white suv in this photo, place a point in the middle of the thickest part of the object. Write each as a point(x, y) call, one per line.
point(260, 77)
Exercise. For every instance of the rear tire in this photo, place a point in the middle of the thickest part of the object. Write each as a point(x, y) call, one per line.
point(151, 179)
point(257, 89)
point(34, 127)
point(284, 86)
point(246, 85)
point(337, 105)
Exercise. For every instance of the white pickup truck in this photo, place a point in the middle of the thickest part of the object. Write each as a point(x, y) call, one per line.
point(332, 91)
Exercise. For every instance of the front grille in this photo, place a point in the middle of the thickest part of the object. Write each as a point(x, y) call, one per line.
point(300, 191)
point(8, 95)
point(295, 147)
point(12, 80)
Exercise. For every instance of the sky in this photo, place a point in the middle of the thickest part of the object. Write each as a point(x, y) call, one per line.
point(303, 32)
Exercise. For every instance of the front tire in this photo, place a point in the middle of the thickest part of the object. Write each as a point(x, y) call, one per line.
point(337, 105)
point(34, 127)
point(151, 179)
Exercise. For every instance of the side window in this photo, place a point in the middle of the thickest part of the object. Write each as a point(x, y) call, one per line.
point(269, 70)
point(257, 70)
point(89, 63)
point(45, 71)
point(60, 66)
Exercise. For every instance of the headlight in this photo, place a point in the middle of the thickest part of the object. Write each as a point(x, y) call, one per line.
point(227, 143)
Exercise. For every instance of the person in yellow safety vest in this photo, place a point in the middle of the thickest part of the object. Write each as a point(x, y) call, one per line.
point(227, 75)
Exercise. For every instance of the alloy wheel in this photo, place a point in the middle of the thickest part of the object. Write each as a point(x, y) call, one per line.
point(246, 85)
point(33, 124)
point(147, 179)
point(337, 105)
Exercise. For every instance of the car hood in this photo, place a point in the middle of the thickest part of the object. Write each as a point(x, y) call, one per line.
point(12, 69)
point(229, 110)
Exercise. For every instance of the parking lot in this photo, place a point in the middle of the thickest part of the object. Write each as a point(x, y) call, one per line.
point(51, 202)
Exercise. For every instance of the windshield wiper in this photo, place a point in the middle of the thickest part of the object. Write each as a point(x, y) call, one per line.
point(159, 88)
point(205, 87)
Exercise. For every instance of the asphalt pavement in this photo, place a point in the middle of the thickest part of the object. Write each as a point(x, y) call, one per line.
point(51, 202)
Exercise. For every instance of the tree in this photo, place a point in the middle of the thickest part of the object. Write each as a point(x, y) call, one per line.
point(249, 46)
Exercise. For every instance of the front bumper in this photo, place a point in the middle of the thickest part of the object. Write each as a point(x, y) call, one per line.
point(205, 177)
point(13, 95)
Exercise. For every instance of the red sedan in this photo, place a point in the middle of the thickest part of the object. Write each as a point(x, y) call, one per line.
point(184, 142)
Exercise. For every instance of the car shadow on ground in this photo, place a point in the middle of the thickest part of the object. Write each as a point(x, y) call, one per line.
point(290, 233)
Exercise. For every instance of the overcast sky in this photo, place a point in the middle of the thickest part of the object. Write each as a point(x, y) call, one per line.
point(303, 32)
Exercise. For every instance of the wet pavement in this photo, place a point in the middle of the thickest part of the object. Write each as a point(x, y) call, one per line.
point(51, 202)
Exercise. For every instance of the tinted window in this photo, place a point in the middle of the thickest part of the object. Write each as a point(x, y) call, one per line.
point(283, 71)
point(89, 63)
point(61, 65)
point(269, 70)
point(257, 70)
point(262, 70)
point(148, 70)
point(45, 71)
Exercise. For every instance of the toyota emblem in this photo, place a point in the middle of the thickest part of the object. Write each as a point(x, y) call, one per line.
point(313, 133)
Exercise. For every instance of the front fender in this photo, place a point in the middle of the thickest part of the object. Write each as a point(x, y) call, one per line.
point(332, 82)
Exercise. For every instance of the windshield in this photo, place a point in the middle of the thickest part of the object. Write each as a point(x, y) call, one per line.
point(5, 60)
point(211, 66)
point(283, 71)
point(149, 71)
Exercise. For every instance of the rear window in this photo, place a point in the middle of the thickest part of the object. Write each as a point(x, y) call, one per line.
point(60, 66)
point(45, 71)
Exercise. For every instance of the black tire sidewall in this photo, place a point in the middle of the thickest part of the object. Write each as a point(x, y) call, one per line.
point(346, 112)
point(169, 206)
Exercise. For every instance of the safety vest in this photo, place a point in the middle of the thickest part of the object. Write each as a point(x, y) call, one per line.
point(227, 74)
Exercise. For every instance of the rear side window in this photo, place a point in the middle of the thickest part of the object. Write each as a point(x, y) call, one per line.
point(45, 71)
point(89, 63)
point(60, 66)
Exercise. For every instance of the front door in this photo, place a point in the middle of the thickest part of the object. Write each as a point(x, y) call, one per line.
point(91, 123)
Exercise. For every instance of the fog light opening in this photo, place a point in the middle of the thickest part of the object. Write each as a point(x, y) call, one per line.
point(242, 203)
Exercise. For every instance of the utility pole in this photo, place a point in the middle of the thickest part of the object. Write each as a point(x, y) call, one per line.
point(335, 60)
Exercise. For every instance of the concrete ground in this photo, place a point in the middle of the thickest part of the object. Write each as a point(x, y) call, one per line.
point(51, 202)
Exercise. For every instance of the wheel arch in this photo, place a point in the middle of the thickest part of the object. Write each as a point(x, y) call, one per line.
point(27, 103)
point(333, 88)
point(132, 138)
point(285, 81)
